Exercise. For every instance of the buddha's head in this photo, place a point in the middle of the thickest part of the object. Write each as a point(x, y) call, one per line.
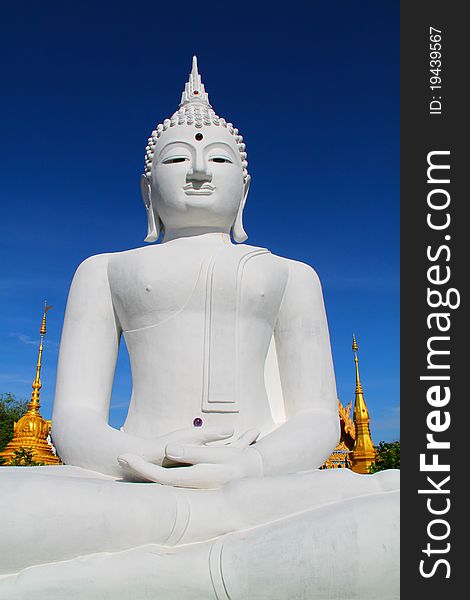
point(196, 176)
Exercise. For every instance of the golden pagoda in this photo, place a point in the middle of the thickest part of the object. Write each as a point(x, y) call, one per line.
point(363, 452)
point(31, 431)
point(349, 453)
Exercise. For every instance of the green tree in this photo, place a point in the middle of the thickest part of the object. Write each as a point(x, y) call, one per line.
point(387, 457)
point(11, 410)
point(24, 458)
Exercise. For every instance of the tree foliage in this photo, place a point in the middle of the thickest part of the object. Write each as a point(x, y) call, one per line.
point(11, 410)
point(24, 458)
point(387, 457)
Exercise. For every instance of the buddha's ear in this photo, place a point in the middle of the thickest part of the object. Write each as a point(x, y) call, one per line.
point(238, 231)
point(153, 222)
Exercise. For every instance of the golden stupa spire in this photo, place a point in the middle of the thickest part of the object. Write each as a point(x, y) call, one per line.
point(34, 405)
point(31, 431)
point(363, 452)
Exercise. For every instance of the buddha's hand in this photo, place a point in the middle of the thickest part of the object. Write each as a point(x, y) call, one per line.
point(153, 450)
point(208, 466)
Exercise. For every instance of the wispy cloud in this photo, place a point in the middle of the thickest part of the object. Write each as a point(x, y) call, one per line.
point(120, 405)
point(13, 378)
point(25, 339)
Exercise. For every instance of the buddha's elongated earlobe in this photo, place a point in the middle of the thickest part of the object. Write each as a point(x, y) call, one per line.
point(153, 224)
point(153, 230)
point(238, 231)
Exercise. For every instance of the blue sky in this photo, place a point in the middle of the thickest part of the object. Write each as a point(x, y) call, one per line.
point(313, 88)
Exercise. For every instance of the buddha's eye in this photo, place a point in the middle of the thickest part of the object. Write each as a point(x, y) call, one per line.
point(220, 159)
point(175, 159)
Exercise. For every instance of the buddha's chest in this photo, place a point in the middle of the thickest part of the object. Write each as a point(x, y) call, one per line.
point(244, 283)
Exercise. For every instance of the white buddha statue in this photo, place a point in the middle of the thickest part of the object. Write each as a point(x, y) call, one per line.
point(233, 410)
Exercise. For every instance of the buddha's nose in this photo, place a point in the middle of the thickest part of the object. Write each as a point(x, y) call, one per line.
point(199, 171)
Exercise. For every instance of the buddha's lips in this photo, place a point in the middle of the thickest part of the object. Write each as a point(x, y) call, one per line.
point(204, 190)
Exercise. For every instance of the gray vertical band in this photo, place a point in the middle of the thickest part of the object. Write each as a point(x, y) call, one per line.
point(183, 514)
point(215, 569)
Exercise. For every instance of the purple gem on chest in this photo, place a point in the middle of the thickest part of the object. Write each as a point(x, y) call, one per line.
point(197, 422)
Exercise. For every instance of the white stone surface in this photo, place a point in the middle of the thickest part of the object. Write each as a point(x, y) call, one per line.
point(245, 516)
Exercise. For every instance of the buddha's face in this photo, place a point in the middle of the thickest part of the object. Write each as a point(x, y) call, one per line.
point(197, 178)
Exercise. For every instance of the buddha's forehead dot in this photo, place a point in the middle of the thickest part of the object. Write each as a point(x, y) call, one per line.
point(199, 139)
point(195, 137)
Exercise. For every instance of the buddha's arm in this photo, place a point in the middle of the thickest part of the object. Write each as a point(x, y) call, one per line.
point(87, 361)
point(311, 429)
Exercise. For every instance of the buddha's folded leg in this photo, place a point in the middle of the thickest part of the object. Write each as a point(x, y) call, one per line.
point(148, 572)
point(57, 513)
point(252, 502)
point(347, 550)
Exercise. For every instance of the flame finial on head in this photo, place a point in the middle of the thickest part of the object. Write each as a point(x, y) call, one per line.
point(194, 90)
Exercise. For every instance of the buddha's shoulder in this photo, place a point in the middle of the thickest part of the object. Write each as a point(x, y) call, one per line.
point(100, 264)
point(294, 272)
point(297, 270)
point(100, 261)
